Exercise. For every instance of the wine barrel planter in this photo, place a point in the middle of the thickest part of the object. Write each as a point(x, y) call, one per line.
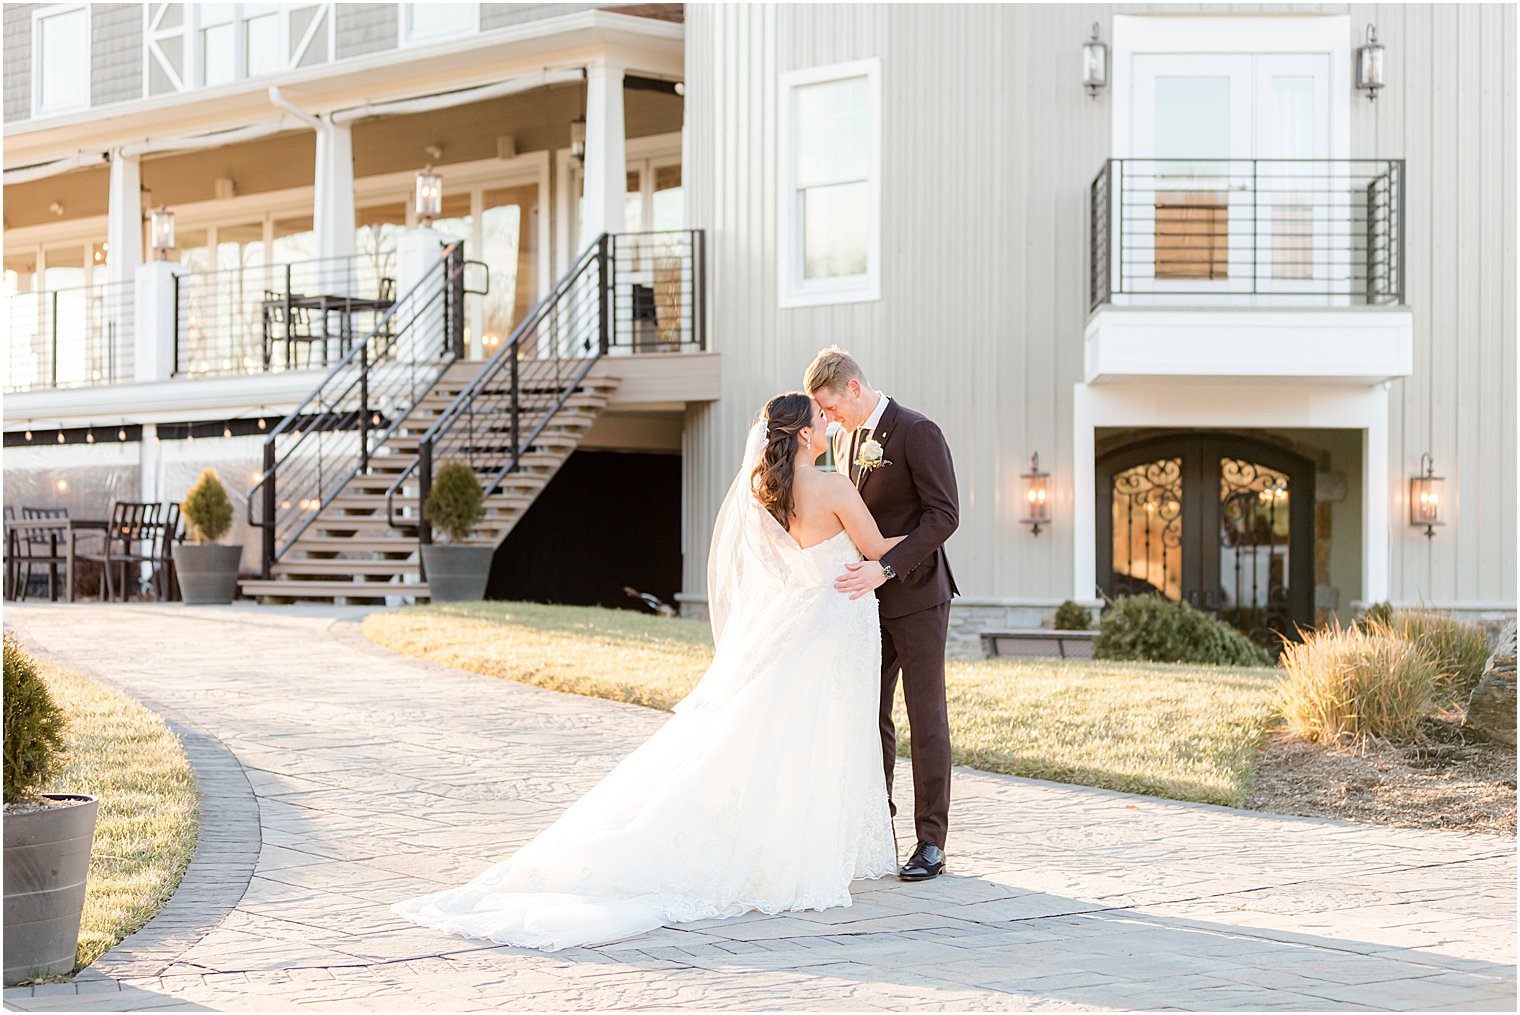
point(457, 574)
point(47, 857)
point(208, 572)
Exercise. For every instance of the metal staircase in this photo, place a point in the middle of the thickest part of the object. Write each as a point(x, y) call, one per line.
point(346, 473)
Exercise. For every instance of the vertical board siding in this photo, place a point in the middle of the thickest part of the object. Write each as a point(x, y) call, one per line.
point(989, 144)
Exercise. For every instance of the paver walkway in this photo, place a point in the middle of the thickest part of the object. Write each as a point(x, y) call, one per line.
point(340, 777)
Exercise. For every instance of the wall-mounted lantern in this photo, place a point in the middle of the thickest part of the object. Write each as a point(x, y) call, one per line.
point(429, 195)
point(1369, 65)
point(1095, 63)
point(1425, 492)
point(161, 227)
point(1036, 496)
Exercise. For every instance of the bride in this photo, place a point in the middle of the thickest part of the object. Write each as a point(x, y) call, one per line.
point(765, 790)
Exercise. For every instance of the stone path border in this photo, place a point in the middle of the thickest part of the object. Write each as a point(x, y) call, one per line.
point(376, 777)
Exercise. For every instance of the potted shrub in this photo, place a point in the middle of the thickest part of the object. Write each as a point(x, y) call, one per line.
point(455, 505)
point(207, 572)
point(47, 835)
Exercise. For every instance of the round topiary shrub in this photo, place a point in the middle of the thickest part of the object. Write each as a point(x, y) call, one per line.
point(207, 509)
point(456, 503)
point(1341, 685)
point(1151, 628)
point(33, 725)
point(1072, 616)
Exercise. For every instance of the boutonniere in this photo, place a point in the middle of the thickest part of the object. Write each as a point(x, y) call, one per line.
point(869, 457)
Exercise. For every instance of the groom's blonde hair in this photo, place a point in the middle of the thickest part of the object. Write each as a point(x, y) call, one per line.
point(833, 368)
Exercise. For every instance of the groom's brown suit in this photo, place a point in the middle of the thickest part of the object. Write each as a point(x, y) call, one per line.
point(914, 496)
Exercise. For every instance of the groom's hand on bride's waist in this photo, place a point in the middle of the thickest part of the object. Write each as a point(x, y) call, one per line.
point(863, 579)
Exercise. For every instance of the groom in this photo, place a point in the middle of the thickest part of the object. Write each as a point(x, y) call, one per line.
point(901, 465)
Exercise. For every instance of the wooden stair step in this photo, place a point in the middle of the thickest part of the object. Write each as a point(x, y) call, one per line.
point(291, 568)
point(289, 589)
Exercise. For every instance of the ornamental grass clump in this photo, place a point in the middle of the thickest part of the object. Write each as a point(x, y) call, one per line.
point(1072, 616)
point(33, 726)
point(1345, 685)
point(207, 509)
point(1458, 649)
point(456, 503)
point(1150, 628)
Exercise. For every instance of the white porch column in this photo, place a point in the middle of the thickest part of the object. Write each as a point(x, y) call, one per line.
point(1377, 493)
point(418, 252)
point(606, 172)
point(124, 229)
point(1084, 521)
point(333, 217)
point(157, 311)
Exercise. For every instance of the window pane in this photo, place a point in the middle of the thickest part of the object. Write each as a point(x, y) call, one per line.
point(669, 210)
point(65, 267)
point(633, 204)
point(240, 246)
point(263, 44)
point(65, 48)
point(438, 19)
point(294, 240)
point(193, 251)
point(1192, 117)
point(835, 230)
point(375, 233)
point(507, 245)
point(832, 131)
point(219, 53)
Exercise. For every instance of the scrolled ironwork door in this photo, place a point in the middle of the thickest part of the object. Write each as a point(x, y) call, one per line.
point(1221, 521)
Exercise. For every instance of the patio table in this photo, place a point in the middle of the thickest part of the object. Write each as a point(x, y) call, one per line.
point(66, 528)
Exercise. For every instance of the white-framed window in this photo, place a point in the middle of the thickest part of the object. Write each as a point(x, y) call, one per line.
point(205, 45)
point(829, 230)
point(433, 22)
point(60, 59)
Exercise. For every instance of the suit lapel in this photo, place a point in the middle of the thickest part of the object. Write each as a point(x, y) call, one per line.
point(881, 435)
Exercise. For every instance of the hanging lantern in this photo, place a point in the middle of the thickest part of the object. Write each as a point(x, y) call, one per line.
point(429, 195)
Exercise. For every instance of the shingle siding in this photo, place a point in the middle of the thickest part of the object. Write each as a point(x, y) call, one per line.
point(18, 61)
point(365, 28)
point(505, 15)
point(116, 53)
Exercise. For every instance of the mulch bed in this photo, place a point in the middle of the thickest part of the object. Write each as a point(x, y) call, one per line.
point(1448, 779)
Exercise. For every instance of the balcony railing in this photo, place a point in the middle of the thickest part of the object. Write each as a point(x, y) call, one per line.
point(1297, 232)
point(272, 317)
point(64, 338)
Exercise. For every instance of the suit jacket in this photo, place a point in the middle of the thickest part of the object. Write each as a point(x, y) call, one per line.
point(914, 496)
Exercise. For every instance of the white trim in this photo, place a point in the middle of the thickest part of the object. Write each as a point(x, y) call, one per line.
point(791, 289)
point(405, 40)
point(40, 15)
point(1209, 403)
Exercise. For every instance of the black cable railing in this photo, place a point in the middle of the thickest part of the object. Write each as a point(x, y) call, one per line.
point(329, 438)
point(264, 318)
point(64, 338)
point(1309, 231)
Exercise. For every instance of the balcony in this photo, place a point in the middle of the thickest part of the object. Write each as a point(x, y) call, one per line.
point(1248, 269)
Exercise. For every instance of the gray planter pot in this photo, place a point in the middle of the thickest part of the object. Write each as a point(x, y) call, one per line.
point(47, 855)
point(208, 572)
point(457, 574)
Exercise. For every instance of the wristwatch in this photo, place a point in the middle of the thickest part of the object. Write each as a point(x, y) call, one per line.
point(887, 572)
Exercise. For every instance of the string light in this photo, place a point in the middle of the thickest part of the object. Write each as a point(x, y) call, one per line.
point(28, 435)
point(89, 436)
point(121, 434)
point(61, 438)
point(227, 430)
point(261, 424)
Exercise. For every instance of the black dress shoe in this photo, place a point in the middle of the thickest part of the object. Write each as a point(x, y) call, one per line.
point(926, 862)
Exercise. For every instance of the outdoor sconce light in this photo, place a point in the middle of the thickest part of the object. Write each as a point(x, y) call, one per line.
point(1369, 65)
point(429, 195)
point(1036, 496)
point(578, 139)
point(1425, 497)
point(162, 229)
point(1095, 63)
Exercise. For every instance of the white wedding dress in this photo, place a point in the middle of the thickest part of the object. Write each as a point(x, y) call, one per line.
point(763, 792)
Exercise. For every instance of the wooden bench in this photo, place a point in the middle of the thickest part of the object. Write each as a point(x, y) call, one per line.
point(1040, 643)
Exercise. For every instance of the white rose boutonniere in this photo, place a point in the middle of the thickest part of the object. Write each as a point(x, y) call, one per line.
point(869, 457)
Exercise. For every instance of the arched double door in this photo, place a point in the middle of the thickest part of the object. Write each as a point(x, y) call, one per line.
point(1222, 521)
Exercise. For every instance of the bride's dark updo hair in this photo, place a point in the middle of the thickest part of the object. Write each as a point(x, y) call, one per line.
point(774, 473)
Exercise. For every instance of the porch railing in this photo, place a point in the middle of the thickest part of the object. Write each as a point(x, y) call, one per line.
point(1300, 231)
point(329, 438)
point(62, 338)
point(260, 318)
